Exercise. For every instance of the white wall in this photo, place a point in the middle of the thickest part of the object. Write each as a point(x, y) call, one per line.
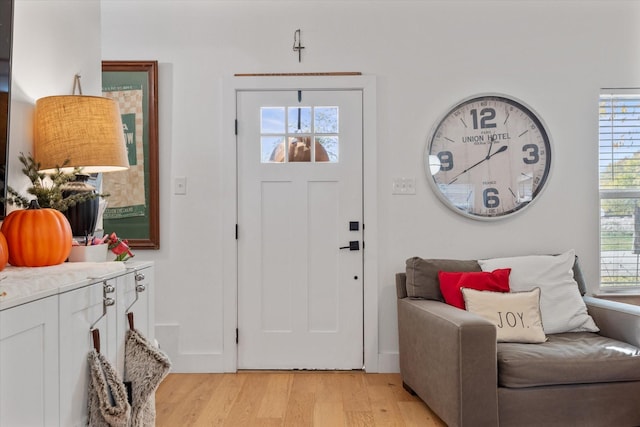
point(52, 41)
point(426, 55)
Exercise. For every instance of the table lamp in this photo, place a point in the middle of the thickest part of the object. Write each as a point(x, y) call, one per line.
point(86, 132)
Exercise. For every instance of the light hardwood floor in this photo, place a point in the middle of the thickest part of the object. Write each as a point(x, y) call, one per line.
point(289, 398)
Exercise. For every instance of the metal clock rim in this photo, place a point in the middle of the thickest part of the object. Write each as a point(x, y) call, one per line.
point(476, 97)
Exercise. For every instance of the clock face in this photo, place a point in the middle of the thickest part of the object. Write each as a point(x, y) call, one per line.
point(488, 157)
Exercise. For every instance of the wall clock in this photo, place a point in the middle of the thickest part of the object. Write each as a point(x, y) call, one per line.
point(488, 157)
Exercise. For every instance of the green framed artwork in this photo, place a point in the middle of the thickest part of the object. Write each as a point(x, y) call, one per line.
point(132, 210)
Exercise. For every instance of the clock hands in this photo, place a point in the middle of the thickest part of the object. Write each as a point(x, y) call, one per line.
point(487, 157)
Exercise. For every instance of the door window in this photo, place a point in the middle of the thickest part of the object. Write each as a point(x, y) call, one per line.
point(287, 132)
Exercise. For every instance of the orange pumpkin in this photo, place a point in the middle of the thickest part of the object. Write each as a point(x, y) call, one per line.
point(37, 237)
point(4, 252)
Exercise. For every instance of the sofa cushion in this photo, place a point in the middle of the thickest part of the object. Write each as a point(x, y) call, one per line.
point(422, 275)
point(579, 277)
point(452, 281)
point(431, 288)
point(561, 304)
point(515, 314)
point(567, 358)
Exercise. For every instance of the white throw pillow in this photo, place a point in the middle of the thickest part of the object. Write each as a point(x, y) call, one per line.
point(561, 305)
point(515, 314)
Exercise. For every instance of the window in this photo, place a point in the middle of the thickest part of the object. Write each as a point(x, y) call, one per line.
point(619, 170)
point(286, 134)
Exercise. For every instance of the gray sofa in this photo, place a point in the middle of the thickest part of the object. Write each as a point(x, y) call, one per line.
point(450, 358)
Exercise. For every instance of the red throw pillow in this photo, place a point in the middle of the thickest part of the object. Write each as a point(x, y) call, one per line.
point(451, 282)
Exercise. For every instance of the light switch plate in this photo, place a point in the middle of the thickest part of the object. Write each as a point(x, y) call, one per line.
point(404, 186)
point(180, 185)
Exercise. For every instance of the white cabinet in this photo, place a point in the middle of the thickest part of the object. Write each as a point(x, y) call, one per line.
point(79, 309)
point(29, 364)
point(44, 344)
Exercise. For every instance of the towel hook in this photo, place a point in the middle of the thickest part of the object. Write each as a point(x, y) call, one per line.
point(140, 287)
point(106, 302)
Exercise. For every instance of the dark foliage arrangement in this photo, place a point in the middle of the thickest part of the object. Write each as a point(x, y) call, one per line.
point(48, 188)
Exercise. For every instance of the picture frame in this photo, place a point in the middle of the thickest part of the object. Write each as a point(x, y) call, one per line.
point(132, 210)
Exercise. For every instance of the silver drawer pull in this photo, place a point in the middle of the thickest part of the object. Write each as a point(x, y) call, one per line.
point(109, 301)
point(109, 289)
point(139, 277)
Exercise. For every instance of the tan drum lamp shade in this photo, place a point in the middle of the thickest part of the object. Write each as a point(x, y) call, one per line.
point(87, 132)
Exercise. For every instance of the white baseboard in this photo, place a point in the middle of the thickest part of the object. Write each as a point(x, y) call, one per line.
point(388, 362)
point(168, 337)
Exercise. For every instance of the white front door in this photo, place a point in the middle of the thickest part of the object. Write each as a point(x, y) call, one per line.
point(300, 210)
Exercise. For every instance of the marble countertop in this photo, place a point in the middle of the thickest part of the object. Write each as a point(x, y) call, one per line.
point(20, 285)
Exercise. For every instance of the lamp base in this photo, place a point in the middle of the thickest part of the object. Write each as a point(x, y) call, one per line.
point(84, 215)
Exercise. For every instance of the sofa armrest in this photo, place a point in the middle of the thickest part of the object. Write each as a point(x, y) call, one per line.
point(448, 357)
point(616, 320)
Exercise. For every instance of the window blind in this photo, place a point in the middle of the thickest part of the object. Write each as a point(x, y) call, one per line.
point(619, 173)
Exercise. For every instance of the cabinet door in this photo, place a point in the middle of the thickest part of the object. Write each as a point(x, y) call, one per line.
point(78, 310)
point(29, 364)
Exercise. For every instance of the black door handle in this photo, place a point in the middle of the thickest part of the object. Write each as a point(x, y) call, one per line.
point(354, 245)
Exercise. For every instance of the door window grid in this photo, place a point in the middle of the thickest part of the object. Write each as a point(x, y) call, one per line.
point(619, 173)
point(286, 134)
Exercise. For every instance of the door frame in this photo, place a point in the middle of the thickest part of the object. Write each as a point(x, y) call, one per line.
point(228, 175)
